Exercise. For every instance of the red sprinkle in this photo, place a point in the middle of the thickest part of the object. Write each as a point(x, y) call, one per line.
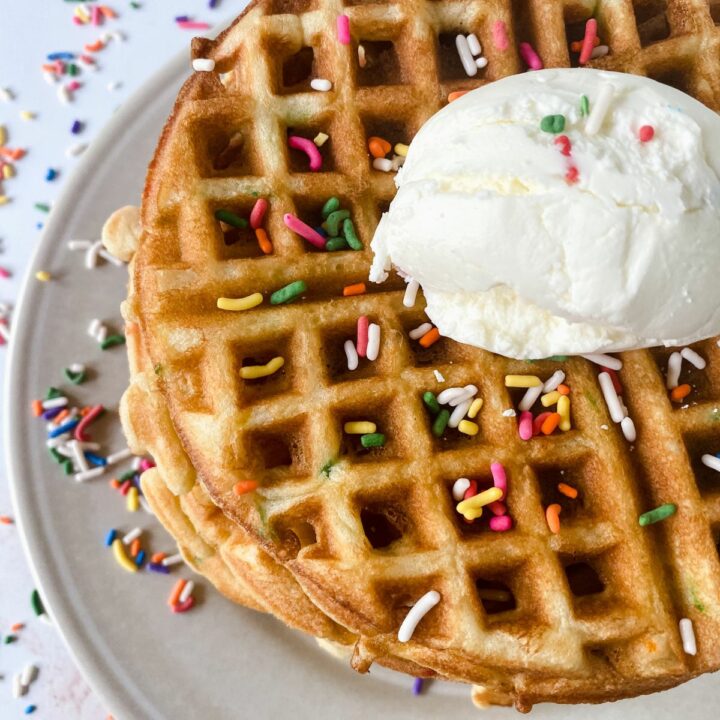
point(571, 176)
point(82, 425)
point(588, 41)
point(498, 508)
point(362, 335)
point(564, 142)
point(538, 422)
point(471, 491)
point(257, 215)
point(646, 133)
point(184, 607)
point(125, 487)
point(4, 272)
point(6, 520)
point(615, 380)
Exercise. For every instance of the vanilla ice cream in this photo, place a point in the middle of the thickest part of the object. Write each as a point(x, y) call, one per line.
point(531, 243)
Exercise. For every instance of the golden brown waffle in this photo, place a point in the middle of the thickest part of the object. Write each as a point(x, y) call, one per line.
point(283, 431)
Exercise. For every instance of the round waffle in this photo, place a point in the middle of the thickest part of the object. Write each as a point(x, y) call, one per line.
point(320, 498)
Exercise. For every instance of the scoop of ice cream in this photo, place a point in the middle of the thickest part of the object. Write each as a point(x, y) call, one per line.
point(532, 235)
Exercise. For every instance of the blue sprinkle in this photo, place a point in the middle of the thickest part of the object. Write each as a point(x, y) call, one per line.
point(110, 537)
point(39, 226)
point(417, 686)
point(50, 174)
point(69, 425)
point(717, 455)
point(321, 231)
point(140, 559)
point(76, 127)
point(95, 459)
point(212, 4)
point(61, 56)
point(157, 567)
point(30, 709)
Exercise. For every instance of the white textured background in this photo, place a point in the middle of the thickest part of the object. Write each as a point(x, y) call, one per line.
point(30, 30)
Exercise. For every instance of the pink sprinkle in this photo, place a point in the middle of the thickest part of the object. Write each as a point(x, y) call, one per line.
point(88, 59)
point(257, 214)
point(588, 43)
point(530, 57)
point(146, 464)
point(192, 25)
point(304, 231)
point(343, 29)
point(73, 85)
point(4, 272)
point(646, 133)
point(95, 15)
point(77, 20)
point(498, 508)
point(499, 35)
point(525, 426)
point(539, 420)
point(501, 523)
point(362, 335)
point(309, 148)
point(60, 67)
point(565, 146)
point(499, 477)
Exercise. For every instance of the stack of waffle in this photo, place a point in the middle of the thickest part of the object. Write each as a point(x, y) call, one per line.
point(257, 478)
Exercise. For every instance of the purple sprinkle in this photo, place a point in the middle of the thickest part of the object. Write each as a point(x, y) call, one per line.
point(212, 4)
point(417, 686)
point(182, 18)
point(157, 567)
point(51, 413)
point(76, 128)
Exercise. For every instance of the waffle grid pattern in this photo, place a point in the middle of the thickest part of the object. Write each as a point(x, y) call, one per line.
point(232, 428)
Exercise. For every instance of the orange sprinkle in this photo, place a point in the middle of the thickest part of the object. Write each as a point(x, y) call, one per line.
point(244, 486)
point(175, 592)
point(679, 393)
point(135, 547)
point(61, 416)
point(567, 490)
point(550, 423)
point(263, 241)
point(114, 483)
point(430, 337)
point(552, 515)
point(158, 557)
point(563, 389)
point(6, 520)
point(356, 289)
point(457, 94)
point(16, 154)
point(16, 627)
point(576, 46)
point(378, 147)
point(50, 67)
point(94, 47)
point(108, 12)
point(84, 411)
point(37, 408)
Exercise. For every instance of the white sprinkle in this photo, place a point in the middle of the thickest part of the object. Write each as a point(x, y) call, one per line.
point(673, 371)
point(373, 344)
point(91, 255)
point(6, 94)
point(553, 381)
point(88, 445)
point(118, 36)
point(321, 84)
point(510, 412)
point(75, 150)
point(136, 463)
point(320, 139)
point(361, 56)
point(57, 441)
point(63, 94)
point(688, 636)
point(474, 44)
point(530, 398)
point(203, 64)
point(438, 375)
point(89, 474)
point(466, 58)
point(119, 455)
point(481, 62)
point(693, 358)
point(599, 51)
point(411, 292)
point(628, 428)
point(351, 355)
point(101, 334)
point(450, 394)
point(599, 110)
point(57, 402)
point(79, 456)
point(421, 608)
point(50, 77)
point(144, 505)
point(93, 327)
point(459, 413)
point(397, 162)
point(469, 392)
point(65, 450)
point(29, 675)
point(459, 488)
point(172, 560)
point(607, 361)
point(604, 427)
point(420, 330)
point(107, 255)
point(611, 397)
point(186, 591)
point(113, 85)
point(76, 368)
point(79, 244)
point(711, 461)
point(18, 689)
point(382, 164)
point(134, 534)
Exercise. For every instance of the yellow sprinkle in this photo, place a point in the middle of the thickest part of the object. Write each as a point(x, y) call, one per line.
point(401, 150)
point(321, 138)
point(360, 428)
point(3, 199)
point(474, 409)
point(27, 115)
point(492, 594)
point(563, 409)
point(122, 559)
point(42, 275)
point(3, 135)
point(550, 398)
point(245, 303)
point(252, 372)
point(133, 504)
point(522, 381)
point(8, 171)
point(472, 507)
point(467, 427)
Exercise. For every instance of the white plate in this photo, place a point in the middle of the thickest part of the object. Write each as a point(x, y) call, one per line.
point(219, 661)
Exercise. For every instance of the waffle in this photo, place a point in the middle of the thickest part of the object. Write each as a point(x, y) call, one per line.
point(224, 145)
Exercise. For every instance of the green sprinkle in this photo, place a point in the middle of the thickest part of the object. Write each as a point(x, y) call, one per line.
point(68, 466)
point(111, 341)
point(553, 123)
point(440, 423)
point(697, 603)
point(73, 69)
point(42, 207)
point(76, 378)
point(332, 225)
point(56, 455)
point(288, 293)
point(350, 235)
point(584, 106)
point(230, 218)
point(329, 207)
point(52, 393)
point(158, 369)
point(372, 440)
point(658, 514)
point(37, 604)
point(9, 639)
point(336, 243)
point(431, 401)
point(129, 475)
point(558, 358)
point(325, 469)
point(135, 5)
